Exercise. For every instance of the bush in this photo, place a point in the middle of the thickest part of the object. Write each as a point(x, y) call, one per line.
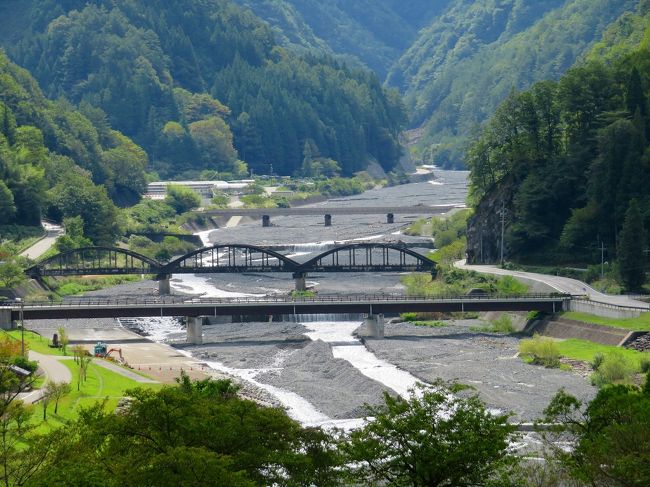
point(26, 364)
point(409, 316)
point(503, 324)
point(597, 361)
point(541, 350)
point(644, 363)
point(614, 369)
point(510, 285)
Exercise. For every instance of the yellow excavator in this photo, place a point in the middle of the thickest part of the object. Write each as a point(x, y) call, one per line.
point(102, 351)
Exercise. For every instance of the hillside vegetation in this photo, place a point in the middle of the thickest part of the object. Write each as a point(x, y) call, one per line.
point(570, 160)
point(203, 85)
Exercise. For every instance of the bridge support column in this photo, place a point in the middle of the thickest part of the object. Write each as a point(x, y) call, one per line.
point(164, 284)
point(390, 218)
point(375, 326)
point(301, 281)
point(328, 220)
point(5, 319)
point(195, 330)
point(266, 220)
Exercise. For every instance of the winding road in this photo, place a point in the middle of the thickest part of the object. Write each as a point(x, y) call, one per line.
point(561, 284)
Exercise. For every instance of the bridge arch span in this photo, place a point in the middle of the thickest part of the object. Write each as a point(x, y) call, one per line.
point(231, 258)
point(95, 260)
point(369, 257)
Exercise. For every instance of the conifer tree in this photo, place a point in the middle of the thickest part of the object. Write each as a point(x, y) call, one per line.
point(631, 255)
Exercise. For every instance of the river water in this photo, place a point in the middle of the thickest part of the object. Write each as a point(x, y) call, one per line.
point(351, 362)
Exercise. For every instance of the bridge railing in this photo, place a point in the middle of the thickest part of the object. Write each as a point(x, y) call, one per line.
point(326, 298)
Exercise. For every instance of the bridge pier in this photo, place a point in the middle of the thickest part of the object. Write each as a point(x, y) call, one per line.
point(375, 326)
point(164, 284)
point(195, 329)
point(5, 319)
point(390, 218)
point(301, 281)
point(328, 220)
point(266, 220)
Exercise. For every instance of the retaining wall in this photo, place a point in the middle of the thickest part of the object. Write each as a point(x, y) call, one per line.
point(561, 328)
point(604, 310)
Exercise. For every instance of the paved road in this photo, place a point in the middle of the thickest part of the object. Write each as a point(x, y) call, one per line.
point(561, 284)
point(54, 370)
point(39, 248)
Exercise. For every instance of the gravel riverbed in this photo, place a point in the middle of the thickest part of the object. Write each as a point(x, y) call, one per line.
point(299, 367)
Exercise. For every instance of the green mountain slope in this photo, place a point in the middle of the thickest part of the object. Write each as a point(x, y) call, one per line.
point(58, 161)
point(376, 32)
point(569, 158)
point(157, 69)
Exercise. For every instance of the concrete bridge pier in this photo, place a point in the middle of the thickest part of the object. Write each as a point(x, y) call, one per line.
point(164, 284)
point(375, 326)
point(301, 281)
point(5, 319)
point(390, 218)
point(266, 220)
point(328, 220)
point(195, 329)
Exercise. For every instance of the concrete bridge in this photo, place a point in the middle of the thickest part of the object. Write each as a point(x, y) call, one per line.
point(195, 309)
point(327, 212)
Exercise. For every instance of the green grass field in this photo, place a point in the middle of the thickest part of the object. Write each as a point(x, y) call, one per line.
point(642, 323)
point(101, 385)
point(585, 350)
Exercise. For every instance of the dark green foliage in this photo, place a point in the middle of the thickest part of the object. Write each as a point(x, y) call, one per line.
point(199, 433)
point(631, 248)
point(144, 62)
point(435, 438)
point(181, 198)
point(611, 434)
point(567, 158)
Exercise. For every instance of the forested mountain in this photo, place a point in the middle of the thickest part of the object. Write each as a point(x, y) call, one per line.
point(454, 61)
point(60, 161)
point(201, 84)
point(569, 161)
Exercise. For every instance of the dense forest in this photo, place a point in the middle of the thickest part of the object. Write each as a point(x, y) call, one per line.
point(454, 62)
point(204, 85)
point(570, 160)
point(61, 162)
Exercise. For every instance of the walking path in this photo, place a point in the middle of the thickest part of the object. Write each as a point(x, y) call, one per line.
point(52, 231)
point(54, 371)
point(561, 284)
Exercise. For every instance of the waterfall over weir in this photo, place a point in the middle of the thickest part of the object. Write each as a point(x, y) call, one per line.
point(331, 317)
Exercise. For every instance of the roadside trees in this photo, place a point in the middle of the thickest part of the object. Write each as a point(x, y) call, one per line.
point(631, 255)
point(438, 436)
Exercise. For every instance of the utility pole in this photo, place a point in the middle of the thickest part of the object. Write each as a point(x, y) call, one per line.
point(602, 259)
point(503, 227)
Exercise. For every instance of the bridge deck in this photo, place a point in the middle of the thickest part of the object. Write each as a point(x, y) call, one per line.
point(334, 210)
point(371, 304)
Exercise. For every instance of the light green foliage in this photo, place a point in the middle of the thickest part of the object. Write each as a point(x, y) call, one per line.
point(74, 237)
point(503, 324)
point(71, 286)
point(220, 200)
point(452, 281)
point(11, 273)
point(615, 368)
point(431, 438)
point(540, 350)
point(181, 198)
point(165, 250)
point(150, 216)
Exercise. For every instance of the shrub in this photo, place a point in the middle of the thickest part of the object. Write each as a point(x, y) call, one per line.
point(614, 369)
point(503, 324)
point(644, 363)
point(597, 361)
point(409, 316)
point(541, 350)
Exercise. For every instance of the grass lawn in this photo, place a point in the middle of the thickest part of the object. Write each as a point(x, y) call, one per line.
point(102, 384)
point(642, 323)
point(36, 342)
point(585, 350)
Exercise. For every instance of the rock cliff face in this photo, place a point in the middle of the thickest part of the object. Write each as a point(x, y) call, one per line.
point(484, 228)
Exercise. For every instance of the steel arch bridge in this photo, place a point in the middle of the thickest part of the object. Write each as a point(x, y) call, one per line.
point(233, 258)
point(95, 261)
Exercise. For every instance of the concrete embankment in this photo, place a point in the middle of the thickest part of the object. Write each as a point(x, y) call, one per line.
point(564, 328)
